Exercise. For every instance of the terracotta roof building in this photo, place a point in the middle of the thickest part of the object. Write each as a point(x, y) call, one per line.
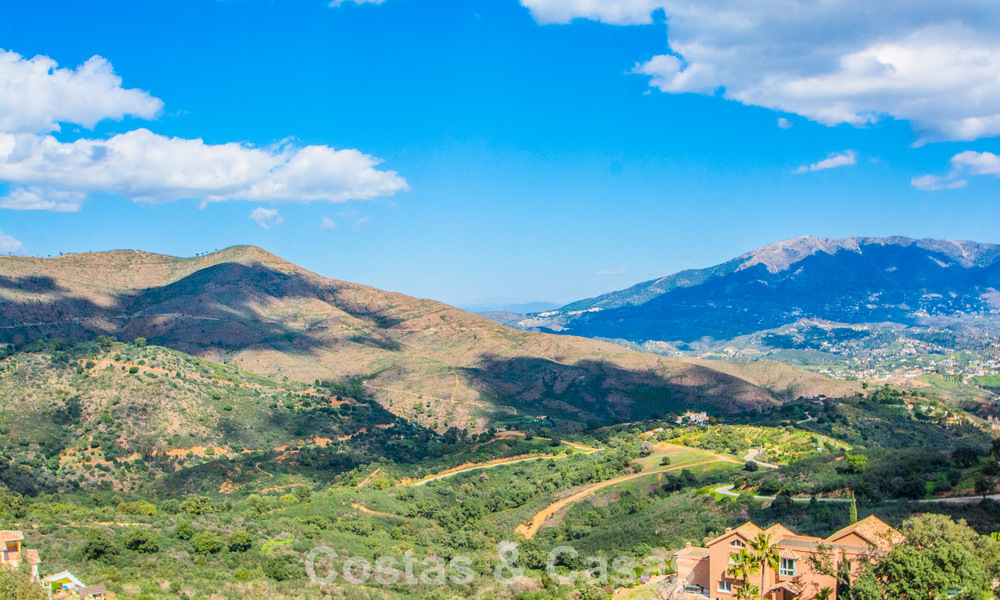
point(708, 569)
point(12, 555)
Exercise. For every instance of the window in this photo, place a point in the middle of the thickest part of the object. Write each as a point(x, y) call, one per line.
point(737, 543)
point(725, 587)
point(786, 567)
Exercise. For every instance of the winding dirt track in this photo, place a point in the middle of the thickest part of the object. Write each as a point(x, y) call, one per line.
point(530, 528)
point(503, 461)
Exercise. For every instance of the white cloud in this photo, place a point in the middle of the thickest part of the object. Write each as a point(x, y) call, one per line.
point(784, 123)
point(612, 272)
point(34, 198)
point(141, 165)
point(838, 61)
point(359, 223)
point(35, 95)
point(977, 163)
point(842, 159)
point(327, 224)
point(266, 217)
point(963, 164)
point(336, 3)
point(618, 12)
point(9, 245)
point(931, 183)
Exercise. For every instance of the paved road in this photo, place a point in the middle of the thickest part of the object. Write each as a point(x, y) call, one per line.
point(727, 490)
point(752, 455)
point(960, 499)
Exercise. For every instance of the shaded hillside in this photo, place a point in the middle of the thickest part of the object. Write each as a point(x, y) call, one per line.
point(855, 280)
point(83, 415)
point(420, 359)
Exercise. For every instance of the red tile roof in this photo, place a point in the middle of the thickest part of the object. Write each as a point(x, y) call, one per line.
point(11, 536)
point(32, 557)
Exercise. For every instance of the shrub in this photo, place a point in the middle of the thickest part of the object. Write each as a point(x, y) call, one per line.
point(184, 530)
point(133, 370)
point(197, 505)
point(139, 508)
point(240, 541)
point(206, 542)
point(277, 567)
point(141, 540)
point(98, 546)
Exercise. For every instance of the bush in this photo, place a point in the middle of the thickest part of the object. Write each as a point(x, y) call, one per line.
point(751, 466)
point(141, 540)
point(197, 505)
point(133, 370)
point(206, 542)
point(277, 567)
point(184, 530)
point(857, 463)
point(140, 508)
point(241, 541)
point(98, 546)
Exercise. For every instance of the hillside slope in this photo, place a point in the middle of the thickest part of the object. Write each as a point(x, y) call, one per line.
point(420, 359)
point(852, 280)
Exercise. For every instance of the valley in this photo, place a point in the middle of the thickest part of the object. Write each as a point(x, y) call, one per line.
point(262, 412)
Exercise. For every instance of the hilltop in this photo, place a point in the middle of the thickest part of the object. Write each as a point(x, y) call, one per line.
point(849, 281)
point(420, 359)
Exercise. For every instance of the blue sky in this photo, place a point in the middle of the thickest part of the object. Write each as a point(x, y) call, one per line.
point(473, 149)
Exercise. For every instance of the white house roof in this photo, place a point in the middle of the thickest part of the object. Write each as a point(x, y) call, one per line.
point(73, 579)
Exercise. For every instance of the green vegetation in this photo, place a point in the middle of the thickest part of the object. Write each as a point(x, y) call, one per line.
point(99, 470)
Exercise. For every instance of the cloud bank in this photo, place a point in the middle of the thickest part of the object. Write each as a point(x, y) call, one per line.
point(35, 96)
point(934, 64)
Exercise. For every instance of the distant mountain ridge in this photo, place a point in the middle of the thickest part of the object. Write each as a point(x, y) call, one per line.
point(851, 280)
point(420, 359)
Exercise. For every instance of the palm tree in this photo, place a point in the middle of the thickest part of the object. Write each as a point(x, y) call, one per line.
point(766, 555)
point(744, 564)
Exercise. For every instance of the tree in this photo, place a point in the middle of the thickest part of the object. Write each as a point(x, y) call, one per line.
point(276, 567)
point(303, 492)
point(857, 463)
point(16, 584)
point(744, 565)
point(939, 559)
point(751, 466)
point(184, 530)
point(197, 505)
point(592, 592)
point(982, 486)
point(98, 546)
point(766, 555)
point(141, 540)
point(240, 541)
point(140, 342)
point(853, 516)
point(206, 542)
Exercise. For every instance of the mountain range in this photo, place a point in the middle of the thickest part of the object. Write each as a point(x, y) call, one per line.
point(422, 360)
point(894, 280)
